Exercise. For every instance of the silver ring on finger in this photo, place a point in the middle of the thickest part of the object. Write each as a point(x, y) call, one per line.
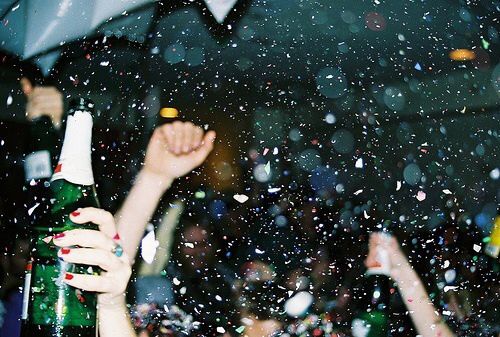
point(117, 250)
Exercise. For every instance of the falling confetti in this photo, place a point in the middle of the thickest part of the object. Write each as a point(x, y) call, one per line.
point(241, 198)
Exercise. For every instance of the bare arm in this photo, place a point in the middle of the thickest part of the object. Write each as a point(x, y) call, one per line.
point(137, 209)
point(114, 320)
point(173, 151)
point(424, 315)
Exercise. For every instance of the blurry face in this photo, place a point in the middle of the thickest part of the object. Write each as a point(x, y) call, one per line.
point(196, 247)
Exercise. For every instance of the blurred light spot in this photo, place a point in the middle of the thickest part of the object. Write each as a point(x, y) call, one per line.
point(331, 82)
point(412, 174)
point(343, 141)
point(462, 55)
point(175, 53)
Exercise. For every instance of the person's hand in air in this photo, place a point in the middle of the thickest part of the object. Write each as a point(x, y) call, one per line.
point(43, 101)
point(175, 149)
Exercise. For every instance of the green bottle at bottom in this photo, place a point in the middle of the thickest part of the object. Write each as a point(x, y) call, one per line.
point(373, 319)
point(52, 308)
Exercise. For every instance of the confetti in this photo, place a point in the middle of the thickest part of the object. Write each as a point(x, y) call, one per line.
point(421, 196)
point(241, 198)
point(267, 168)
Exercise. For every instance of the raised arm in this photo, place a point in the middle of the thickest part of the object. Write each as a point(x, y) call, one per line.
point(424, 315)
point(173, 151)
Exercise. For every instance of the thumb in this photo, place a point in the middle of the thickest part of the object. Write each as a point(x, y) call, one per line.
point(207, 145)
point(26, 86)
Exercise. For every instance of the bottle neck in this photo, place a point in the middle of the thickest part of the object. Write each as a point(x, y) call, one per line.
point(75, 163)
point(379, 290)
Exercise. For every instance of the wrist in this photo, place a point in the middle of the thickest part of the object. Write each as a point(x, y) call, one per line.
point(116, 303)
point(401, 269)
point(160, 182)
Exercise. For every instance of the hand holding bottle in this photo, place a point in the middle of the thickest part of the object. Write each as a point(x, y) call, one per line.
point(99, 248)
point(95, 248)
point(396, 260)
point(422, 311)
point(42, 101)
point(175, 149)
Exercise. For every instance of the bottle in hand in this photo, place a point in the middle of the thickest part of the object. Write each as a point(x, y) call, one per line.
point(42, 143)
point(372, 319)
point(50, 306)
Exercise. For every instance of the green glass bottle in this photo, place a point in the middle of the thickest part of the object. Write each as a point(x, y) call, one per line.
point(372, 319)
point(51, 307)
point(42, 144)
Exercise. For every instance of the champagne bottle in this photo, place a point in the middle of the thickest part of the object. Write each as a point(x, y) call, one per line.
point(43, 141)
point(50, 306)
point(373, 318)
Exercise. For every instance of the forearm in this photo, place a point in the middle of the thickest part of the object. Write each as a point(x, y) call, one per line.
point(138, 208)
point(114, 320)
point(424, 315)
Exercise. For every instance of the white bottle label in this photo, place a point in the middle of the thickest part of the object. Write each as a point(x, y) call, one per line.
point(37, 165)
point(26, 292)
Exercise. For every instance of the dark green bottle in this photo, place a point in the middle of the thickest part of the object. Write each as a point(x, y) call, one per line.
point(51, 307)
point(372, 319)
point(42, 144)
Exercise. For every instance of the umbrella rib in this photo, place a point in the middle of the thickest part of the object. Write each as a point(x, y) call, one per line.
point(12, 5)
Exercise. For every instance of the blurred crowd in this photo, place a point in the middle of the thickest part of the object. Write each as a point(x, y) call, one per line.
point(289, 263)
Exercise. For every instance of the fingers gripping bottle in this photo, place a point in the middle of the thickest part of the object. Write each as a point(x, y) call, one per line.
point(50, 306)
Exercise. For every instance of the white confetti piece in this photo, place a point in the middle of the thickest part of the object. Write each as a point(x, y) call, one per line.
point(32, 209)
point(275, 151)
point(448, 288)
point(398, 185)
point(258, 251)
point(421, 196)
point(266, 150)
point(267, 168)
point(274, 189)
point(359, 163)
point(241, 198)
point(477, 248)
point(366, 215)
point(446, 191)
point(149, 244)
point(9, 100)
point(358, 192)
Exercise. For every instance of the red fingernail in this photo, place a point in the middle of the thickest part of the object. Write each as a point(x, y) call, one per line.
point(65, 250)
point(116, 237)
point(75, 213)
point(59, 235)
point(68, 276)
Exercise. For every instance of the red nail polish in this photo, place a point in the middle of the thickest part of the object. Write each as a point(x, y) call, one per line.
point(59, 235)
point(65, 250)
point(75, 213)
point(68, 276)
point(116, 237)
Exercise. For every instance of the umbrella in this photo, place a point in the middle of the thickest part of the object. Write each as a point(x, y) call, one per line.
point(33, 27)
